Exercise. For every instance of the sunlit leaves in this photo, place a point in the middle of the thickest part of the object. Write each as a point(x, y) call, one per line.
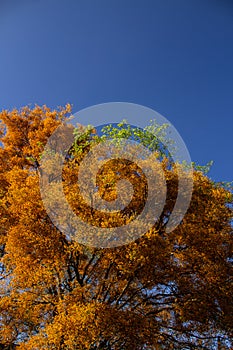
point(161, 291)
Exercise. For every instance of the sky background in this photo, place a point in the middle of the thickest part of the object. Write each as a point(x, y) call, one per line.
point(174, 56)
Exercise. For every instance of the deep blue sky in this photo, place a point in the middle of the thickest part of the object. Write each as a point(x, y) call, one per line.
point(174, 56)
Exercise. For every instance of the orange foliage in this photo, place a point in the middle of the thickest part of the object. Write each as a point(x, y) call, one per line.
point(161, 291)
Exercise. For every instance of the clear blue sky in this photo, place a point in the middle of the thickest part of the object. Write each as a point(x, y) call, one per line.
point(174, 56)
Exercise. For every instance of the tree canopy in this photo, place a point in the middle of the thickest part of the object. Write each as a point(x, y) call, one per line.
point(160, 291)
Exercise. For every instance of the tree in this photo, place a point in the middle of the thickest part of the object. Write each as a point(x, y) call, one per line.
point(161, 291)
